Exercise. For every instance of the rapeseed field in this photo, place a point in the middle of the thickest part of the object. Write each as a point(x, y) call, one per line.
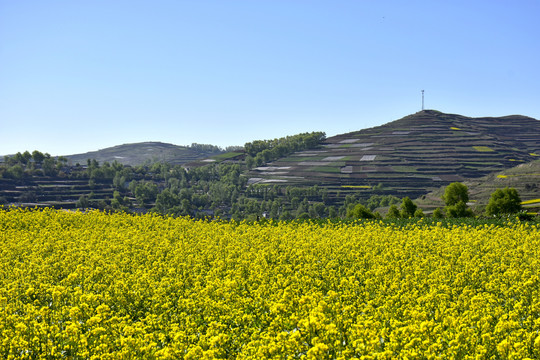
point(116, 286)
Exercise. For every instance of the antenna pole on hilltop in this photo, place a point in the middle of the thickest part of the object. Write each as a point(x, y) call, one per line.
point(422, 100)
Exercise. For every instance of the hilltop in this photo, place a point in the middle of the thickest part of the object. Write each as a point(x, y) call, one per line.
point(148, 152)
point(410, 156)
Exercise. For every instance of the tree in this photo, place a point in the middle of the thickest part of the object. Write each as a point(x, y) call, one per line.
point(504, 202)
point(274, 209)
point(437, 214)
point(145, 192)
point(166, 200)
point(49, 167)
point(454, 193)
point(26, 156)
point(119, 181)
point(18, 158)
point(332, 213)
point(455, 197)
point(83, 202)
point(286, 215)
point(38, 156)
point(458, 210)
point(393, 212)
point(15, 172)
point(302, 208)
point(119, 203)
point(10, 161)
point(407, 208)
point(186, 207)
point(61, 162)
point(319, 209)
point(250, 161)
point(360, 212)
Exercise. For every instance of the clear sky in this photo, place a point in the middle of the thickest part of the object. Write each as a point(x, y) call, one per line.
point(78, 76)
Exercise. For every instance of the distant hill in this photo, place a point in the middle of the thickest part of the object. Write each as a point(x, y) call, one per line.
point(410, 156)
point(144, 152)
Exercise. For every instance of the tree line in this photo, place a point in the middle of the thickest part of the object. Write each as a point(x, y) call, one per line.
point(221, 189)
point(260, 152)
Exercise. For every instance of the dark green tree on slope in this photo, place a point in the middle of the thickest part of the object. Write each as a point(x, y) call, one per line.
point(456, 196)
point(504, 202)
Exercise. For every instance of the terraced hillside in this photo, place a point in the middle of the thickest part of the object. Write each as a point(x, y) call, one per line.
point(53, 191)
point(139, 153)
point(411, 156)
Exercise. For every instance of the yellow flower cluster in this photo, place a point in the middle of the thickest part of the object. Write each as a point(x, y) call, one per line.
point(116, 286)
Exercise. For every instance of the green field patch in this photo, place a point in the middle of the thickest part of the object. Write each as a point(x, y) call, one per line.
point(482, 163)
point(375, 175)
point(483, 148)
point(326, 169)
point(301, 158)
point(50, 186)
point(226, 156)
point(356, 186)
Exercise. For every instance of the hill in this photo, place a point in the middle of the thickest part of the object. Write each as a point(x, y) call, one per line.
point(299, 176)
point(145, 152)
point(410, 156)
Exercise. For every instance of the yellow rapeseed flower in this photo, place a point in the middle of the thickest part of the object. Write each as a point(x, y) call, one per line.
point(117, 286)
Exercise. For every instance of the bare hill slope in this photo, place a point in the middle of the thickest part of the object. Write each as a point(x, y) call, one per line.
point(139, 153)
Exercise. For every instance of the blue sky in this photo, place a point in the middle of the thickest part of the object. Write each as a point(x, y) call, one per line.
point(78, 76)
